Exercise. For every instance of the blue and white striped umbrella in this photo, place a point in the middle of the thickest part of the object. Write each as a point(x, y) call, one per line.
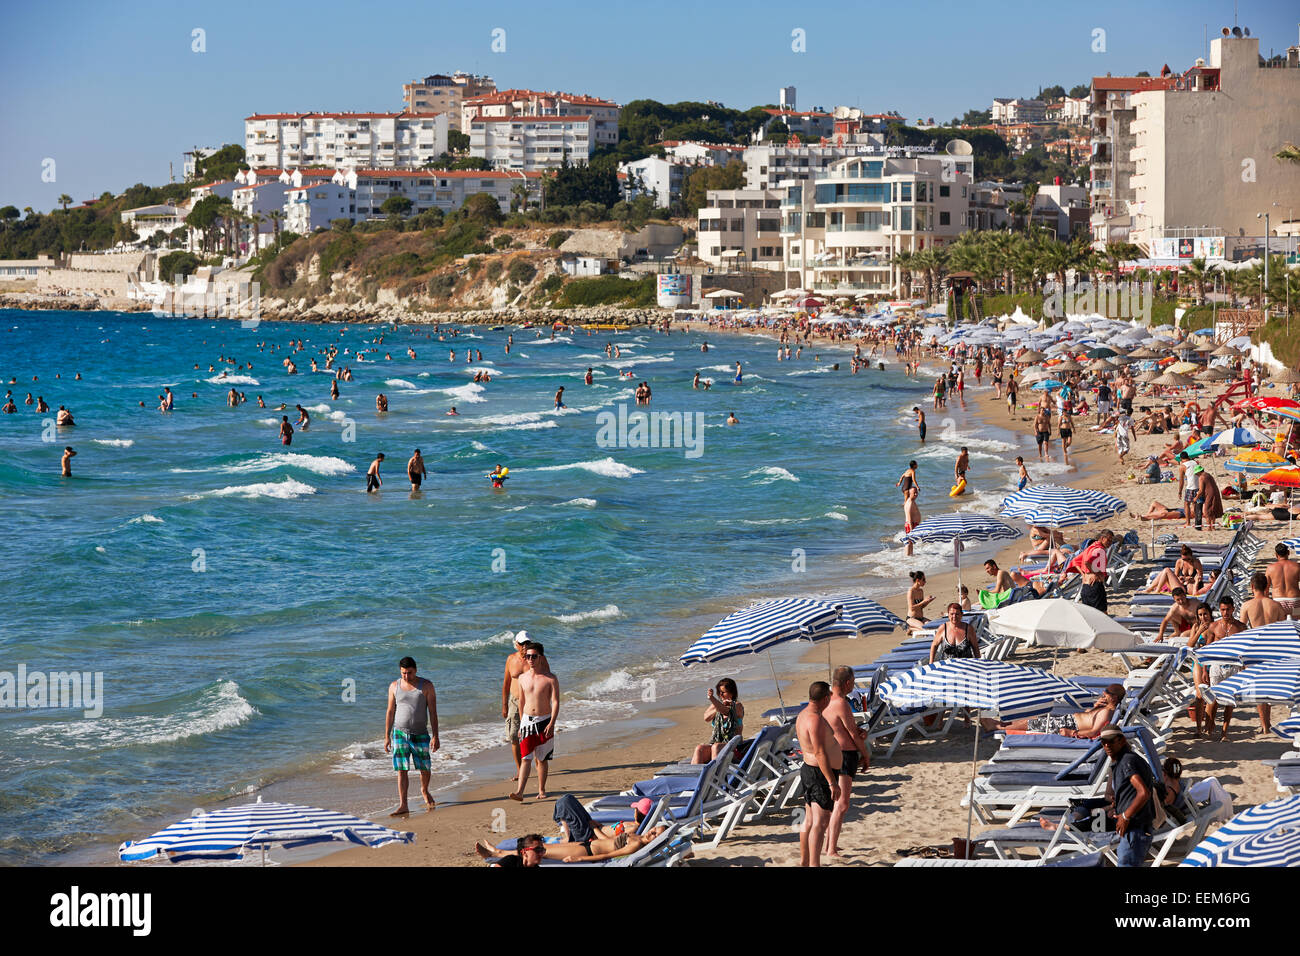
point(759, 627)
point(996, 688)
point(1254, 821)
point(1279, 847)
point(1054, 518)
point(1289, 728)
point(1272, 682)
point(1240, 437)
point(1092, 505)
point(1279, 641)
point(858, 617)
point(963, 526)
point(227, 833)
point(1250, 467)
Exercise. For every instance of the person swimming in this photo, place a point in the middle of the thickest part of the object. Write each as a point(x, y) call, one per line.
point(498, 476)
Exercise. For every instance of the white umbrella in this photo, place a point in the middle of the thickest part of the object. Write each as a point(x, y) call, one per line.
point(1056, 622)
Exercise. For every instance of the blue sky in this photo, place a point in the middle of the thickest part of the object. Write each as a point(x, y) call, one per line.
point(113, 92)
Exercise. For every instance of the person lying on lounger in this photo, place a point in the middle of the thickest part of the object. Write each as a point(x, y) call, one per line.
point(1187, 572)
point(1043, 541)
point(1086, 725)
point(1158, 512)
point(586, 840)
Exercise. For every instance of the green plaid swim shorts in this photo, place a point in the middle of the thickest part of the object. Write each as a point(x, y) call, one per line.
point(410, 751)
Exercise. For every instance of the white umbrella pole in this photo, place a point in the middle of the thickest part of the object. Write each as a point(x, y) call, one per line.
point(970, 803)
point(779, 698)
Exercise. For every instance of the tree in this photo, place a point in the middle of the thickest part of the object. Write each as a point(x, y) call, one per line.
point(221, 165)
point(572, 185)
point(777, 132)
point(177, 264)
point(1052, 93)
point(63, 201)
point(977, 118)
point(457, 141)
point(482, 208)
point(1080, 90)
point(396, 206)
point(1199, 274)
point(696, 188)
point(9, 213)
point(476, 163)
point(204, 217)
point(1031, 194)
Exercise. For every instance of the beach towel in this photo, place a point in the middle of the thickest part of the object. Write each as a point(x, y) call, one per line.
point(992, 599)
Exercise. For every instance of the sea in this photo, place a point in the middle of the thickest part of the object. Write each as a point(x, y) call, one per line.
point(242, 605)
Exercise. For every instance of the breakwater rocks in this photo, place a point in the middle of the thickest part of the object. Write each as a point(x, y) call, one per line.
point(277, 311)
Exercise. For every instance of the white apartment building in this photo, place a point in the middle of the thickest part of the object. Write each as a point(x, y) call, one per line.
point(162, 217)
point(354, 140)
point(766, 164)
point(262, 199)
point(1053, 205)
point(808, 125)
point(740, 228)
point(1070, 111)
point(1204, 143)
point(313, 206)
point(440, 93)
point(531, 143)
point(702, 154)
point(664, 177)
point(601, 116)
point(1005, 111)
point(1111, 166)
point(841, 231)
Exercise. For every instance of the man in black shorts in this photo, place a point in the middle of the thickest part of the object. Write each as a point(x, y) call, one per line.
point(415, 470)
point(1043, 431)
point(820, 773)
point(851, 740)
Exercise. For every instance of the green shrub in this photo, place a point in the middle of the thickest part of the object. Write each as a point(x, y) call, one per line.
point(521, 272)
point(493, 270)
point(442, 285)
point(501, 241)
point(404, 263)
point(609, 290)
point(177, 264)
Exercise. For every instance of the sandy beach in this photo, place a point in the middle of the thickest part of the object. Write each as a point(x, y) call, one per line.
point(913, 798)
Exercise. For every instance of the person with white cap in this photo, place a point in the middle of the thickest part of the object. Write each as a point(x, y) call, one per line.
point(515, 665)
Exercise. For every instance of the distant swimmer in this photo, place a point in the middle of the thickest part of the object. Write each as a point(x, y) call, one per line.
point(77, 377)
point(286, 431)
point(559, 398)
point(29, 400)
point(334, 388)
point(588, 378)
point(695, 383)
point(479, 352)
point(40, 404)
point(373, 480)
point(260, 402)
point(736, 380)
point(232, 398)
point(498, 476)
point(415, 470)
point(170, 401)
point(304, 420)
point(381, 402)
point(452, 411)
point(68, 455)
point(732, 419)
point(920, 421)
point(9, 407)
point(704, 346)
point(64, 418)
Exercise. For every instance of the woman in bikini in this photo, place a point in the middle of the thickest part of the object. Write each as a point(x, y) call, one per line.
point(1199, 636)
point(954, 638)
point(727, 716)
point(917, 602)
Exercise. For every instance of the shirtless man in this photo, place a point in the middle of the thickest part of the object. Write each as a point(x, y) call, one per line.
point(1258, 611)
point(415, 470)
point(1181, 616)
point(304, 420)
point(854, 755)
point(539, 692)
point(412, 710)
point(515, 665)
point(1002, 580)
point(381, 402)
point(920, 422)
point(820, 774)
point(286, 431)
point(963, 465)
point(559, 398)
point(1043, 431)
point(911, 515)
point(1086, 725)
point(1227, 624)
point(68, 455)
point(64, 418)
point(373, 480)
point(1284, 580)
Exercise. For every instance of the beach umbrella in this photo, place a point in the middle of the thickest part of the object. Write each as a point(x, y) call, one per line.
point(1285, 477)
point(758, 628)
point(1289, 728)
point(960, 527)
point(1277, 847)
point(992, 688)
point(1280, 814)
point(1056, 622)
point(1144, 353)
point(1173, 380)
point(1288, 376)
point(1053, 518)
point(1069, 365)
point(1030, 357)
point(1266, 403)
point(1046, 384)
point(227, 833)
point(1213, 374)
point(1149, 376)
point(1239, 437)
point(1254, 462)
point(1033, 375)
point(1101, 352)
point(859, 617)
point(1270, 682)
point(1099, 365)
point(1202, 446)
point(1279, 641)
point(1182, 368)
point(1206, 331)
point(1093, 505)
point(1226, 350)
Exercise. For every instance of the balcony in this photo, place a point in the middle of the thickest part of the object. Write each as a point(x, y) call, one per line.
point(853, 264)
point(847, 287)
point(854, 227)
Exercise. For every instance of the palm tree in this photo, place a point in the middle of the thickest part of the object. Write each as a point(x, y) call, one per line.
point(518, 197)
point(905, 262)
point(1017, 208)
point(256, 219)
point(63, 201)
point(276, 215)
point(1031, 193)
point(1199, 274)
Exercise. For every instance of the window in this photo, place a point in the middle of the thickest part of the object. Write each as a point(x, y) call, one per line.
point(906, 192)
point(945, 192)
point(943, 216)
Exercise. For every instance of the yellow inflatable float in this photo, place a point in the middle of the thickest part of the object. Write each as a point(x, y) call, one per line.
point(958, 489)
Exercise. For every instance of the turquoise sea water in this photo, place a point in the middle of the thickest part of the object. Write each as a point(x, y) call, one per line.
point(246, 604)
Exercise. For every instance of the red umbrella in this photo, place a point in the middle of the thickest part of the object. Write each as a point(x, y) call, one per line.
point(1285, 477)
point(1265, 404)
point(808, 302)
